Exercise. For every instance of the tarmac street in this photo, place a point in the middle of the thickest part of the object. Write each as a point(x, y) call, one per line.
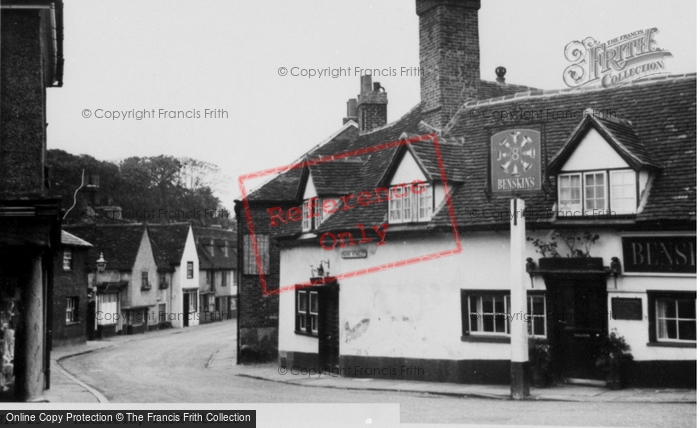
point(197, 365)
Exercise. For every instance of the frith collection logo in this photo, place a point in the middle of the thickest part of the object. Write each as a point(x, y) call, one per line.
point(615, 62)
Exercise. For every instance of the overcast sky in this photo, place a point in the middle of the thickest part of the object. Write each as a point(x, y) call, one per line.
point(225, 54)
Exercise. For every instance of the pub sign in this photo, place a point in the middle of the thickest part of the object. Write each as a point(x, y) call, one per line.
point(516, 165)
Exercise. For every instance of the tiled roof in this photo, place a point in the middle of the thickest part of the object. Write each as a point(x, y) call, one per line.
point(168, 242)
point(653, 121)
point(73, 241)
point(118, 243)
point(204, 235)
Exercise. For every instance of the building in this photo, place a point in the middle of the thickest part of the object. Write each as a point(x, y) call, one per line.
point(31, 60)
point(178, 269)
point(257, 311)
point(396, 261)
point(128, 289)
point(70, 293)
point(218, 273)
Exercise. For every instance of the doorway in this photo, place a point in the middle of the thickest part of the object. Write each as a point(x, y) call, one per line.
point(329, 326)
point(185, 309)
point(578, 324)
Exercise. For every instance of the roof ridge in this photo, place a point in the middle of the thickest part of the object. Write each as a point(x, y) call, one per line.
point(541, 93)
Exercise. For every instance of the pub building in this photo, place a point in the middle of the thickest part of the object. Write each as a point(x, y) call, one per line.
point(611, 232)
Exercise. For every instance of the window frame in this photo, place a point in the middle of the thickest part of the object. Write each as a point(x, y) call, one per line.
point(407, 209)
point(72, 308)
point(310, 214)
point(572, 208)
point(306, 321)
point(68, 252)
point(467, 294)
point(250, 266)
point(635, 184)
point(190, 270)
point(606, 201)
point(145, 280)
point(653, 297)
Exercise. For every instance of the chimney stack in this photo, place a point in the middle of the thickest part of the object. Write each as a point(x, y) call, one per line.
point(449, 56)
point(371, 106)
point(352, 111)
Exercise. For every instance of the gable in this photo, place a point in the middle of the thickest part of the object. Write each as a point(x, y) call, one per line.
point(407, 171)
point(594, 152)
point(309, 189)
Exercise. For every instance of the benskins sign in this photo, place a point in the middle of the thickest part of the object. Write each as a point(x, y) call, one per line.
point(616, 62)
point(659, 254)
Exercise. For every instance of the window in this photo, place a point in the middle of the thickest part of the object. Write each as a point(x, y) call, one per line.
point(598, 192)
point(311, 215)
point(208, 275)
point(487, 313)
point(225, 250)
point(162, 281)
point(307, 312)
point(570, 192)
point(145, 285)
point(410, 202)
point(623, 192)
point(595, 191)
point(250, 264)
point(537, 319)
point(675, 319)
point(67, 259)
point(210, 248)
point(71, 310)
point(190, 270)
point(224, 278)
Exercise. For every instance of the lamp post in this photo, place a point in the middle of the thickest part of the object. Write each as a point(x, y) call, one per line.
point(101, 264)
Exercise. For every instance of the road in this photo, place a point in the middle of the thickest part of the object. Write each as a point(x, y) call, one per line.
point(170, 366)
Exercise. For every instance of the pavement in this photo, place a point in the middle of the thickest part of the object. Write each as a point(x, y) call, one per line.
point(65, 388)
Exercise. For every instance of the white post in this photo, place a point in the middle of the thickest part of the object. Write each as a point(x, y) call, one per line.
point(520, 384)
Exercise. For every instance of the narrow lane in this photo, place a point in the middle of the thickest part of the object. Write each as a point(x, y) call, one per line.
point(170, 366)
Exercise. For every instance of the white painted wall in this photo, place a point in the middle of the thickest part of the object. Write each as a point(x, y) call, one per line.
point(414, 311)
point(407, 171)
point(181, 284)
point(593, 152)
point(310, 190)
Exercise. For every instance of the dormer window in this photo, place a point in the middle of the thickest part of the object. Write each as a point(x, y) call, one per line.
point(411, 202)
point(311, 215)
point(606, 192)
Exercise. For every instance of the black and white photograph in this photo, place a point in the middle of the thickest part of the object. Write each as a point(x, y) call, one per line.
point(284, 213)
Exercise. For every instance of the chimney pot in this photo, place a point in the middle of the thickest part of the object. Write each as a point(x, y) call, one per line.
point(366, 83)
point(352, 111)
point(500, 75)
point(377, 87)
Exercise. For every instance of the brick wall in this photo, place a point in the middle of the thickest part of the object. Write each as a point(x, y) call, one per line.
point(371, 110)
point(259, 314)
point(70, 283)
point(449, 56)
point(22, 105)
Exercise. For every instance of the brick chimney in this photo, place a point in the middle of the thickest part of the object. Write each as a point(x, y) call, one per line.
point(371, 105)
point(449, 56)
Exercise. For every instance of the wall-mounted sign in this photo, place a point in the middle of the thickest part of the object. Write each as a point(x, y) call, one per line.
point(627, 309)
point(354, 254)
point(659, 254)
point(516, 164)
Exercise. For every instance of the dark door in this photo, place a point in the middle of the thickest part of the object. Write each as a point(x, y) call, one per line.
point(578, 325)
point(186, 309)
point(91, 320)
point(329, 330)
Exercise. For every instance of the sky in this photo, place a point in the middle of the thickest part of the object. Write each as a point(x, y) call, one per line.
point(162, 56)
